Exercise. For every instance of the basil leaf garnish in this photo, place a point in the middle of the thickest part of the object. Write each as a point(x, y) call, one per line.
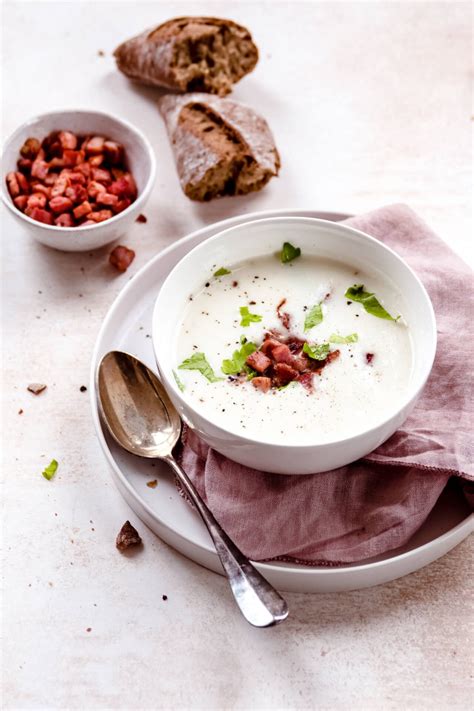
point(49, 471)
point(288, 252)
point(247, 317)
point(222, 272)
point(369, 301)
point(316, 352)
point(198, 361)
point(351, 338)
point(179, 382)
point(236, 364)
point(313, 317)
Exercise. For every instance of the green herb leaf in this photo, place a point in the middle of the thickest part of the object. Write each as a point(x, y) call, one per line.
point(222, 272)
point(50, 470)
point(313, 317)
point(198, 361)
point(236, 364)
point(247, 317)
point(316, 352)
point(351, 338)
point(179, 382)
point(288, 252)
point(368, 301)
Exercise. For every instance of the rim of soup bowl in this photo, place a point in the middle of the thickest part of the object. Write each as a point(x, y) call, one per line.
point(408, 401)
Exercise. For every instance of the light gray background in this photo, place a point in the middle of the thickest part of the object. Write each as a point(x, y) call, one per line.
point(370, 104)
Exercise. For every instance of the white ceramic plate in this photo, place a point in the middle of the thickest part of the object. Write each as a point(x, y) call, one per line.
point(127, 326)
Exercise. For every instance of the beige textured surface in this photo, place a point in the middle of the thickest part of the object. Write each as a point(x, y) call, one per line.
point(385, 117)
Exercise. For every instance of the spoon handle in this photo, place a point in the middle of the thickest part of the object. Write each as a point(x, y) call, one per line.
point(259, 602)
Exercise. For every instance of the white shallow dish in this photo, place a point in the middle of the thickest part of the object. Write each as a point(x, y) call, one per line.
point(323, 238)
point(141, 161)
point(128, 327)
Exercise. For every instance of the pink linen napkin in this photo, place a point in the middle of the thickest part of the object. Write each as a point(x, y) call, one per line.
point(377, 503)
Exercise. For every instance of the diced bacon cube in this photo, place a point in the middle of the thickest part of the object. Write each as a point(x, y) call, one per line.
point(40, 188)
point(56, 163)
point(23, 183)
point(258, 361)
point(124, 187)
point(95, 188)
point(82, 210)
point(40, 215)
point(95, 145)
point(122, 205)
point(333, 355)
point(50, 179)
point(77, 177)
point(39, 169)
point(117, 173)
point(36, 200)
point(21, 201)
point(67, 140)
point(101, 215)
point(282, 354)
point(268, 345)
point(70, 158)
point(64, 220)
point(12, 184)
point(59, 186)
point(76, 193)
point(104, 198)
point(84, 168)
point(284, 374)
point(299, 363)
point(101, 175)
point(121, 258)
point(96, 161)
point(306, 380)
point(113, 152)
point(30, 148)
point(262, 383)
point(60, 204)
point(24, 165)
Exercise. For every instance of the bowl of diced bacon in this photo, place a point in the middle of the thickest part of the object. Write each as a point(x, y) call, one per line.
point(77, 179)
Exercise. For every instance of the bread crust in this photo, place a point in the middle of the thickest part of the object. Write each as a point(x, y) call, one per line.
point(188, 53)
point(220, 147)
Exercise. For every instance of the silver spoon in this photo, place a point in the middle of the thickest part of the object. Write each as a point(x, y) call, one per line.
point(142, 419)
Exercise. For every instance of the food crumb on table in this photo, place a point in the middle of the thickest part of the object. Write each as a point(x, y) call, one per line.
point(121, 257)
point(152, 484)
point(36, 388)
point(127, 537)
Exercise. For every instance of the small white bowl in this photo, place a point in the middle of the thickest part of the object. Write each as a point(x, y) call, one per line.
point(317, 237)
point(141, 162)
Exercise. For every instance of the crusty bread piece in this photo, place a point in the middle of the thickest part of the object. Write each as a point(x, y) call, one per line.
point(220, 147)
point(190, 54)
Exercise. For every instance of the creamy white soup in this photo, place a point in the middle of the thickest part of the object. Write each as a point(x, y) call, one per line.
point(308, 351)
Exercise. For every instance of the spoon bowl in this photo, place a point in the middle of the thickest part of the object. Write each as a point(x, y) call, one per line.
point(134, 404)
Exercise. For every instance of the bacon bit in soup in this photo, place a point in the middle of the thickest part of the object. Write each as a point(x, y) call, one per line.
point(121, 258)
point(283, 316)
point(280, 361)
point(68, 179)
